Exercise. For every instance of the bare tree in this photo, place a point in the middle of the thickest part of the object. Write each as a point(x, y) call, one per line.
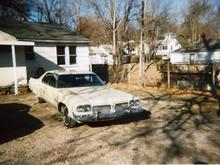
point(114, 14)
point(196, 11)
point(191, 28)
point(63, 12)
point(212, 25)
point(48, 10)
point(156, 21)
point(76, 14)
point(16, 8)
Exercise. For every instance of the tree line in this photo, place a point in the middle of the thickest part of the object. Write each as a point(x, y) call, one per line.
point(117, 22)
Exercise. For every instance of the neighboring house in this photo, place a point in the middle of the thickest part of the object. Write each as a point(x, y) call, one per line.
point(101, 54)
point(167, 45)
point(25, 47)
point(131, 48)
point(194, 66)
point(200, 53)
point(134, 48)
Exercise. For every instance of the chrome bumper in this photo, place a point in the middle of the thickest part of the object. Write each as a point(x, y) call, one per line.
point(106, 117)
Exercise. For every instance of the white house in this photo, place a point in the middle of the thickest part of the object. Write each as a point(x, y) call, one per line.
point(200, 53)
point(101, 54)
point(134, 48)
point(167, 45)
point(25, 47)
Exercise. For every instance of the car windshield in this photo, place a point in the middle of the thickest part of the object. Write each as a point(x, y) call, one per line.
point(79, 80)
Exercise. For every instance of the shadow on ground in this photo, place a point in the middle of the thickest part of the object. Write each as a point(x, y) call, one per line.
point(192, 117)
point(16, 122)
point(131, 118)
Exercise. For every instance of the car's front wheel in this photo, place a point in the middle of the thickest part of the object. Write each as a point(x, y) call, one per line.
point(40, 100)
point(67, 120)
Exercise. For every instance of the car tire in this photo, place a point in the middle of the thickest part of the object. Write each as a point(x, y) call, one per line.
point(40, 100)
point(68, 121)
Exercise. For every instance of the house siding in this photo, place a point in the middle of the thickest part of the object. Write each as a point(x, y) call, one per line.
point(82, 52)
point(199, 57)
point(167, 45)
point(46, 58)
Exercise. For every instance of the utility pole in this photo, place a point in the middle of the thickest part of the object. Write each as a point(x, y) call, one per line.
point(114, 31)
point(141, 60)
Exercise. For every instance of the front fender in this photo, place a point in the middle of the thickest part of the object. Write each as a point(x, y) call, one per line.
point(72, 102)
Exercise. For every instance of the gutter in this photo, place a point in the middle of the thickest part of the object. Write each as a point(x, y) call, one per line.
point(57, 41)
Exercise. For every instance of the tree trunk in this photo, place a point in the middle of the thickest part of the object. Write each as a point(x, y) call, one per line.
point(114, 33)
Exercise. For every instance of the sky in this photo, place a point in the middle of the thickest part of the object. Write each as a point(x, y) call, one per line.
point(181, 5)
point(177, 8)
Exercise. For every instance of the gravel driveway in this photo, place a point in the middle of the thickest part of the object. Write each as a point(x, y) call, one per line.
point(172, 130)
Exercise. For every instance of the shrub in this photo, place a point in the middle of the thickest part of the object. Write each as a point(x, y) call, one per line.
point(134, 59)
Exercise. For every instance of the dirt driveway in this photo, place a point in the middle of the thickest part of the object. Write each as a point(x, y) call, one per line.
point(178, 130)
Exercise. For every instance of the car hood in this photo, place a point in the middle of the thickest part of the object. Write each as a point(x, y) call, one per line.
point(96, 95)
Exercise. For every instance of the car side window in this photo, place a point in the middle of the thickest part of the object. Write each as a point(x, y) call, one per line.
point(46, 78)
point(53, 81)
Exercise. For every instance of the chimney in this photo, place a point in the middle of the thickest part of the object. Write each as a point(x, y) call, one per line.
point(203, 38)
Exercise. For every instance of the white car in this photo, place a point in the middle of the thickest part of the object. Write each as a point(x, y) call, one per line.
point(83, 97)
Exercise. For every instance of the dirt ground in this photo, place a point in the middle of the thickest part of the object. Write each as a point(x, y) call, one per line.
point(177, 127)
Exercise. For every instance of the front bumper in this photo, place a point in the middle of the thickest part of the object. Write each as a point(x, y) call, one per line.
point(106, 117)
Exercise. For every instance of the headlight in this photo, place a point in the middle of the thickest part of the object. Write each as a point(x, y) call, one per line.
point(121, 106)
point(134, 103)
point(84, 108)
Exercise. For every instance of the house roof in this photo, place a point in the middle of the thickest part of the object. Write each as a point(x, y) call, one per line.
point(6, 39)
point(102, 49)
point(96, 49)
point(108, 48)
point(207, 46)
point(168, 37)
point(40, 32)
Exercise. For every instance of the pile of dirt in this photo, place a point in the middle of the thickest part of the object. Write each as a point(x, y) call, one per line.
point(120, 74)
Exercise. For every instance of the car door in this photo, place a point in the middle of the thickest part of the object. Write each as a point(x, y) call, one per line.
point(43, 86)
point(51, 91)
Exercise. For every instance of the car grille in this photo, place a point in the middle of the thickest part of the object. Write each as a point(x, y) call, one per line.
point(121, 106)
point(103, 109)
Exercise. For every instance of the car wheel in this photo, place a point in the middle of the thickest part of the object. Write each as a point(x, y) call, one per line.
point(40, 100)
point(68, 121)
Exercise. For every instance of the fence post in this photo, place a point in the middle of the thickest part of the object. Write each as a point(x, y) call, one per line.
point(129, 74)
point(213, 73)
point(168, 74)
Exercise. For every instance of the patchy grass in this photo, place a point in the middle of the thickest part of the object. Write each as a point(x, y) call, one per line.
point(160, 91)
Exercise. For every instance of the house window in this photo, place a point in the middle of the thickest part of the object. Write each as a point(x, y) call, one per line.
point(192, 58)
point(61, 55)
point(72, 51)
point(29, 53)
point(164, 47)
point(5, 56)
point(5, 49)
point(92, 54)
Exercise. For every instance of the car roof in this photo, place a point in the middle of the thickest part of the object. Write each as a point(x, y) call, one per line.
point(64, 72)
